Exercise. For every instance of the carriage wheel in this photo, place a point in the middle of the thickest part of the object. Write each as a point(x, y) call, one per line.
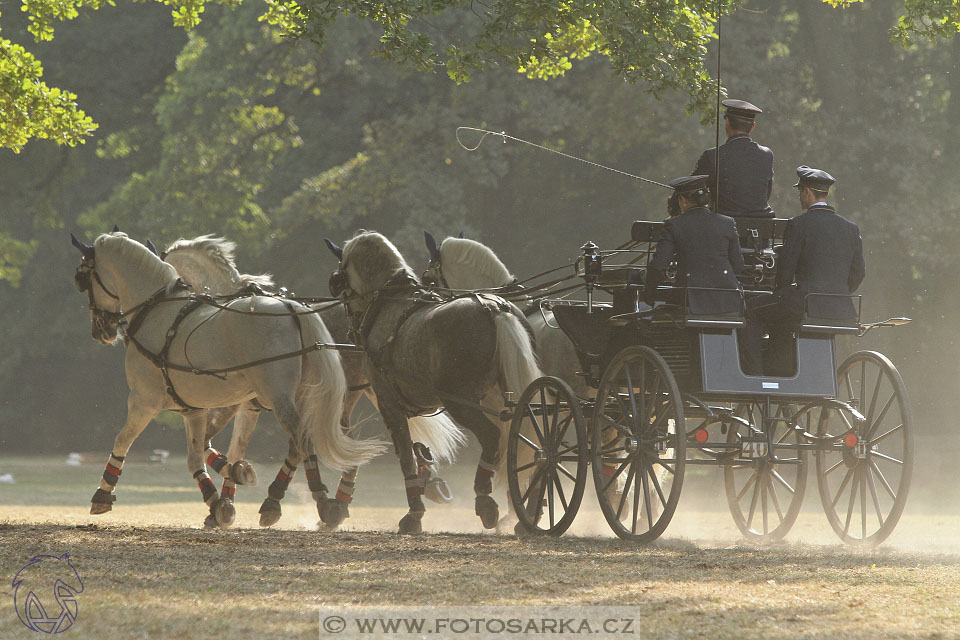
point(765, 488)
point(639, 444)
point(864, 474)
point(547, 457)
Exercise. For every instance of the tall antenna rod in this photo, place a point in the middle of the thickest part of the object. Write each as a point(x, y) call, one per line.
point(716, 164)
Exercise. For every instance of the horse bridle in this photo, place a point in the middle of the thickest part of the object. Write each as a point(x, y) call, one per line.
point(84, 278)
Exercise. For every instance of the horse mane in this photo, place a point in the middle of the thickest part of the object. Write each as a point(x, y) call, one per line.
point(208, 262)
point(468, 264)
point(139, 257)
point(377, 261)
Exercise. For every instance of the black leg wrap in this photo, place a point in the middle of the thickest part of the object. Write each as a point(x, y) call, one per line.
point(103, 497)
point(277, 489)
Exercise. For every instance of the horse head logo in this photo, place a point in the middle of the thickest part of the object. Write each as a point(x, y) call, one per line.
point(45, 593)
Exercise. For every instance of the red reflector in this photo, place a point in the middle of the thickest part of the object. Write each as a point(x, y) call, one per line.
point(701, 435)
point(851, 440)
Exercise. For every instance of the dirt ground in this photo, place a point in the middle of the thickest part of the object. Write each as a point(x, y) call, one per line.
point(150, 571)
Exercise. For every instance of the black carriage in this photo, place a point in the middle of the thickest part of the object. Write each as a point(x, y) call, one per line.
point(671, 392)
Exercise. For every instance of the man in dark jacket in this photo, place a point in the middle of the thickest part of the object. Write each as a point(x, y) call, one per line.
point(746, 168)
point(707, 250)
point(822, 253)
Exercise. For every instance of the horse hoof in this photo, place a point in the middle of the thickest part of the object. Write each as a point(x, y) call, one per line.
point(438, 491)
point(99, 508)
point(224, 512)
point(507, 523)
point(242, 472)
point(520, 530)
point(210, 522)
point(486, 508)
point(411, 524)
point(269, 512)
point(332, 512)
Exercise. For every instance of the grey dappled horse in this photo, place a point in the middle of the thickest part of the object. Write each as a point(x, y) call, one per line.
point(207, 264)
point(181, 352)
point(422, 354)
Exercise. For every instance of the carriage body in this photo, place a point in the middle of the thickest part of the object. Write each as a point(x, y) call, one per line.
point(671, 392)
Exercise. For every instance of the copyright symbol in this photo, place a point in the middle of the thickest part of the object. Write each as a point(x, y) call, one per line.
point(334, 624)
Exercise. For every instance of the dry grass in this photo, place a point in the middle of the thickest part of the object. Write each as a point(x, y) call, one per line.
point(150, 571)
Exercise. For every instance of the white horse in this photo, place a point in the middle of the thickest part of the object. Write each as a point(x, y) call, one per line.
point(207, 264)
point(188, 356)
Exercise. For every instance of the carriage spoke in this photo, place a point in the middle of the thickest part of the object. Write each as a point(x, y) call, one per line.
point(873, 400)
point(529, 443)
point(863, 502)
point(863, 383)
point(853, 500)
point(615, 475)
point(876, 498)
point(563, 470)
point(548, 488)
point(846, 380)
point(560, 494)
point(537, 475)
point(547, 436)
point(535, 423)
point(746, 487)
point(763, 503)
point(776, 474)
point(526, 466)
point(753, 501)
point(833, 467)
point(883, 456)
point(561, 430)
point(656, 485)
point(888, 433)
point(772, 490)
point(843, 484)
point(646, 499)
point(880, 417)
point(883, 480)
point(626, 489)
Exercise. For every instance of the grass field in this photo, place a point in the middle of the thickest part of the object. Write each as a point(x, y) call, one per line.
point(150, 570)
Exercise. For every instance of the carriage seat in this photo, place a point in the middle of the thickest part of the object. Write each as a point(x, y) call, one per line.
point(823, 317)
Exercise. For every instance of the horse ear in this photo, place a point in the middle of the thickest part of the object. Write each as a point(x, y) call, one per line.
point(461, 234)
point(432, 246)
point(334, 249)
point(116, 228)
point(86, 249)
point(153, 248)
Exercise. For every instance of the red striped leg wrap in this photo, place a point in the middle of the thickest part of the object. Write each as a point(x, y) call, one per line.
point(278, 487)
point(483, 480)
point(345, 491)
point(218, 462)
point(228, 490)
point(112, 473)
point(206, 486)
point(317, 488)
point(414, 485)
point(608, 470)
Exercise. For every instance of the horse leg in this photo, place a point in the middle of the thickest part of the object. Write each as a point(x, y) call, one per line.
point(239, 471)
point(138, 417)
point(270, 511)
point(195, 422)
point(488, 434)
point(337, 509)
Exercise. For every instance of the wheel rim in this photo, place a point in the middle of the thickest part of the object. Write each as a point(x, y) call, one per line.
point(638, 457)
point(765, 489)
point(547, 457)
point(864, 474)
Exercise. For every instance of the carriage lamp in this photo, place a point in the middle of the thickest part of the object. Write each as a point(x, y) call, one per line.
point(592, 266)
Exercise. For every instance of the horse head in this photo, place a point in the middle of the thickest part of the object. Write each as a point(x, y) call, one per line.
point(368, 262)
point(114, 268)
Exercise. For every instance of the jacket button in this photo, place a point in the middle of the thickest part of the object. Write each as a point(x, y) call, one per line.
point(724, 272)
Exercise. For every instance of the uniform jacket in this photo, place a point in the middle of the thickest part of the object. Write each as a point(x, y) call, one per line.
point(707, 250)
point(746, 176)
point(822, 253)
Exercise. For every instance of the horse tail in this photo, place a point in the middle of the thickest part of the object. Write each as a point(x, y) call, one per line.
point(515, 354)
point(438, 432)
point(518, 368)
point(320, 404)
